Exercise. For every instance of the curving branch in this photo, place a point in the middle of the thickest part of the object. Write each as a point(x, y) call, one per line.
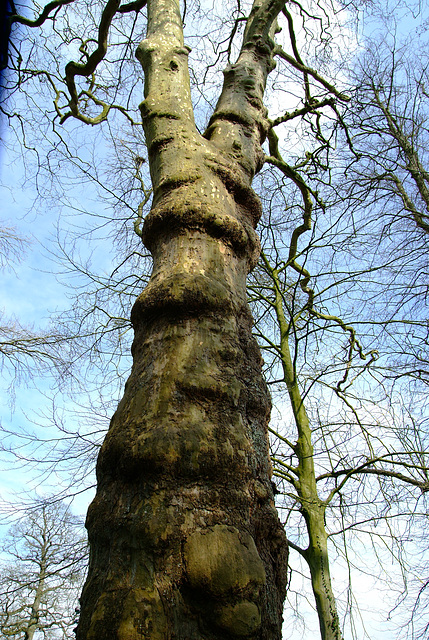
point(78, 69)
point(46, 14)
point(86, 69)
point(312, 107)
point(366, 469)
point(309, 71)
point(296, 53)
point(132, 6)
point(307, 194)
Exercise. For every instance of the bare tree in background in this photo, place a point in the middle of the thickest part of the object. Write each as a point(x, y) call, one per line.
point(24, 351)
point(42, 574)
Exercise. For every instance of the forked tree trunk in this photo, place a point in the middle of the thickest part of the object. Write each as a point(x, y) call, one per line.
point(185, 539)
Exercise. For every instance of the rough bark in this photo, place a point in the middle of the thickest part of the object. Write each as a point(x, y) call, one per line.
point(185, 539)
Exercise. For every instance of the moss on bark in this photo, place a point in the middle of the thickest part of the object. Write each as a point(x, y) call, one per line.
point(185, 539)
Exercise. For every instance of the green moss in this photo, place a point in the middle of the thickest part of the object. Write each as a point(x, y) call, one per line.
point(242, 619)
point(221, 560)
point(142, 616)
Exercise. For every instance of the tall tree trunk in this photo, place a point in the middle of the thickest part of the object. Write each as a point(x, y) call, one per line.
point(185, 539)
point(33, 622)
point(303, 479)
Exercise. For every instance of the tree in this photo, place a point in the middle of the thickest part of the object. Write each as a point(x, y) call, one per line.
point(174, 193)
point(384, 186)
point(385, 447)
point(338, 460)
point(184, 516)
point(42, 575)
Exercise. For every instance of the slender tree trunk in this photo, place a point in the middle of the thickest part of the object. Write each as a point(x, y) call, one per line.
point(312, 507)
point(318, 560)
point(185, 539)
point(313, 510)
point(33, 622)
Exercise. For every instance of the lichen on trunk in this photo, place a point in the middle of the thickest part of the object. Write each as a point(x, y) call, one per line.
point(303, 478)
point(185, 539)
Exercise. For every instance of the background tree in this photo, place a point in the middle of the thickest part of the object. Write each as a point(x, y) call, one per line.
point(42, 574)
point(343, 473)
point(365, 294)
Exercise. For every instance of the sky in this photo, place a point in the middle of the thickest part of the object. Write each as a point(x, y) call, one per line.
point(31, 291)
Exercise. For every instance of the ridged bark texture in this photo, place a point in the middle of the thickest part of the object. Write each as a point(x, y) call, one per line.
point(185, 539)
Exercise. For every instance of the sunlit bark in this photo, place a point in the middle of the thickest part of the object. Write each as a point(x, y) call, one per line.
point(185, 538)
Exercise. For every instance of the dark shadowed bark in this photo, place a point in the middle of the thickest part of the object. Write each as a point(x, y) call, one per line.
point(185, 539)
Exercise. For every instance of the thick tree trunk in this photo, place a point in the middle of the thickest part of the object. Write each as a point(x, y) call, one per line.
point(185, 540)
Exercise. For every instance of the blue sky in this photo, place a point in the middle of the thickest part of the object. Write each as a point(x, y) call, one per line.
point(31, 292)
